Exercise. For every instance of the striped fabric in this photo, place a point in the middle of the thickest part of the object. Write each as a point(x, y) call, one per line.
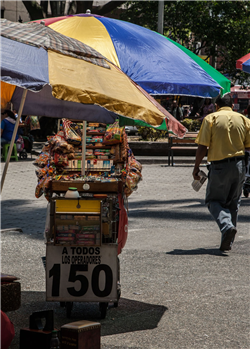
point(38, 35)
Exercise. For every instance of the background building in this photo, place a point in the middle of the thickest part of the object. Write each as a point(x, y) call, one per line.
point(15, 10)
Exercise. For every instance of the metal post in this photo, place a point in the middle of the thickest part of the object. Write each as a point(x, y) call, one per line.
point(58, 125)
point(13, 138)
point(83, 147)
point(160, 16)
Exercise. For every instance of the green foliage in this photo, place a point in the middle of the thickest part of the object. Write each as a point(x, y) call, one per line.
point(222, 28)
point(150, 134)
point(191, 125)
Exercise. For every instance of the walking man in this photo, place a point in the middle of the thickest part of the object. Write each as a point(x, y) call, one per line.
point(224, 136)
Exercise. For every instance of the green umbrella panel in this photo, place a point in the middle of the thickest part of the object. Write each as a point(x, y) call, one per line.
point(217, 76)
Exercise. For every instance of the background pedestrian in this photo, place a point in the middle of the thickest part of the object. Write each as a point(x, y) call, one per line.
point(226, 135)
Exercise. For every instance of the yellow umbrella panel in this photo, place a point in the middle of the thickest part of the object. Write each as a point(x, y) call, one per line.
point(82, 82)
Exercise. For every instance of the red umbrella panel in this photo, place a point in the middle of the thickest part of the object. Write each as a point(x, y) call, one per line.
point(244, 63)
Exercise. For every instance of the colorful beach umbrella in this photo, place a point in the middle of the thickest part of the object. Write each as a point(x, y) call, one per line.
point(244, 63)
point(45, 73)
point(154, 62)
point(68, 79)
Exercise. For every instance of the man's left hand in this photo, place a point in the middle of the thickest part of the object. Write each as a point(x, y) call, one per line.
point(195, 173)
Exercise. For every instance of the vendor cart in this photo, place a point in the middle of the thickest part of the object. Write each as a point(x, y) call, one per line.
point(82, 252)
point(86, 231)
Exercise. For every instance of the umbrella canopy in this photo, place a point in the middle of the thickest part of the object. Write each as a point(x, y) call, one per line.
point(157, 64)
point(217, 76)
point(67, 79)
point(244, 63)
point(45, 73)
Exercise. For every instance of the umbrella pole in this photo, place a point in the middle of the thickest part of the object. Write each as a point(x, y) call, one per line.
point(160, 16)
point(83, 147)
point(13, 138)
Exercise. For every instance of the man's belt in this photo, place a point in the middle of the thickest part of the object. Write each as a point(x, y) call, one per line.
point(235, 158)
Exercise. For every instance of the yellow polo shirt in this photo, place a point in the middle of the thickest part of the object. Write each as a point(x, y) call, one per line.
point(225, 133)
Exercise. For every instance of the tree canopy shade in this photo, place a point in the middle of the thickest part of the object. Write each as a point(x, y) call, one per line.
point(37, 11)
point(222, 28)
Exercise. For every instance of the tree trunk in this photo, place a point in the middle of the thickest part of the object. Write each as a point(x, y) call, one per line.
point(44, 5)
point(83, 6)
point(108, 7)
point(58, 7)
point(35, 11)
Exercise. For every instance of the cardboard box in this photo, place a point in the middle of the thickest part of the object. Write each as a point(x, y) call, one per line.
point(81, 335)
point(10, 296)
point(34, 339)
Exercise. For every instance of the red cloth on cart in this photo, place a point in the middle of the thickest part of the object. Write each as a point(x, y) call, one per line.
point(7, 331)
point(123, 224)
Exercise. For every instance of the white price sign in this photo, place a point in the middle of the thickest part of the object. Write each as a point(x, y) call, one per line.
point(81, 274)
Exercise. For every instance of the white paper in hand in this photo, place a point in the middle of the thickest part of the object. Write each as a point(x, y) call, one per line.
point(197, 184)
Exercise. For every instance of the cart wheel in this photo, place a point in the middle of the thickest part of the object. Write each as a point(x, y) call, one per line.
point(62, 304)
point(118, 294)
point(118, 283)
point(103, 309)
point(246, 193)
point(69, 306)
point(23, 155)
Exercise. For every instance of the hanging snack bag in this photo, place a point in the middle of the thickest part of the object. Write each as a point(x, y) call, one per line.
point(42, 160)
point(39, 188)
point(41, 172)
point(133, 163)
point(70, 134)
point(46, 187)
point(113, 134)
point(61, 160)
point(78, 128)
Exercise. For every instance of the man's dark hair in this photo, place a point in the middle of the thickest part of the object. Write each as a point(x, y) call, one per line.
point(225, 101)
point(10, 114)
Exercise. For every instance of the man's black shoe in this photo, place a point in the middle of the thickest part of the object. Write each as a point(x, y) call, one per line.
point(228, 239)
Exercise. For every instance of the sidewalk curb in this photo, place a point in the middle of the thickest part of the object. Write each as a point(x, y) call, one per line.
point(10, 230)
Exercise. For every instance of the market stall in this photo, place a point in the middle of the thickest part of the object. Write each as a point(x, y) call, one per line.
point(59, 77)
point(86, 226)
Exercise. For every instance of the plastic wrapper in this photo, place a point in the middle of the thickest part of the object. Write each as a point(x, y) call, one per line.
point(132, 175)
point(132, 180)
point(41, 172)
point(60, 145)
point(61, 160)
point(56, 138)
point(68, 150)
point(47, 187)
point(46, 147)
point(124, 150)
point(128, 192)
point(133, 163)
point(47, 232)
point(71, 156)
point(39, 188)
point(42, 160)
point(77, 128)
point(113, 134)
point(70, 134)
point(46, 184)
point(51, 170)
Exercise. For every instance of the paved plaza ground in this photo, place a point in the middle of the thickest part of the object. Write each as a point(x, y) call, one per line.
point(178, 290)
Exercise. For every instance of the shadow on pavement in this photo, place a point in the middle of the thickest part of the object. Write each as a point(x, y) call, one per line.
point(152, 209)
point(129, 316)
point(239, 247)
point(178, 209)
point(199, 251)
